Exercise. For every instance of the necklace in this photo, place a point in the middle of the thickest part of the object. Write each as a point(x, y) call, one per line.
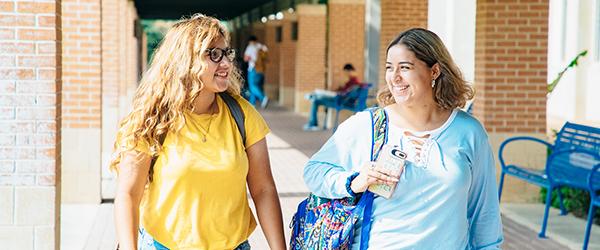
point(203, 131)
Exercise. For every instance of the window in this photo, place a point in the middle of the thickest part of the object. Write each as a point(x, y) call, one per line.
point(278, 34)
point(294, 31)
point(597, 42)
point(563, 30)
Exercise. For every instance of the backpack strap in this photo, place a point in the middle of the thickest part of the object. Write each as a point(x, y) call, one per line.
point(161, 140)
point(236, 112)
point(379, 124)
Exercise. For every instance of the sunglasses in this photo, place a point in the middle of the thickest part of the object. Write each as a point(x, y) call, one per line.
point(216, 54)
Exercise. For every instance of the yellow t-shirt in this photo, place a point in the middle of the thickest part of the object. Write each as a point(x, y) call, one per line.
point(197, 199)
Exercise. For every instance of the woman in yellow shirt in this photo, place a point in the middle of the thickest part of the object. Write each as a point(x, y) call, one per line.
point(182, 164)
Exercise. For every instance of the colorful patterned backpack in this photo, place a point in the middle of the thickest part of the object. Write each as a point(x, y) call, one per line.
point(328, 224)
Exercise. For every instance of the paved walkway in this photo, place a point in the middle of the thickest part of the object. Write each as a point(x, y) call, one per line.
point(289, 149)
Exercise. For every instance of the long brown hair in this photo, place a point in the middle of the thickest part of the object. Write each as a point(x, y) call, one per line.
point(171, 84)
point(451, 90)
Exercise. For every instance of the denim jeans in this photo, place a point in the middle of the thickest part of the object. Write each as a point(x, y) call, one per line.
point(254, 86)
point(146, 242)
point(316, 102)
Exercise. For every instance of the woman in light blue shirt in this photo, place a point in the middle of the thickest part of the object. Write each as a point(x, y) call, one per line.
point(446, 197)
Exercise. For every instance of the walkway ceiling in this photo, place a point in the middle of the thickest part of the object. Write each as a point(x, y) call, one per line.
point(175, 9)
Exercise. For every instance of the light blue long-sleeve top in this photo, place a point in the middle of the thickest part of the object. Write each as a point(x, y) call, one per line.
point(447, 194)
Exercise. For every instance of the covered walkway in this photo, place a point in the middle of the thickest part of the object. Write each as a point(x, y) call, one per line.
point(289, 149)
point(70, 68)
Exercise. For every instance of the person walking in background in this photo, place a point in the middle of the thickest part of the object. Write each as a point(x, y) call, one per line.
point(252, 54)
point(322, 97)
point(182, 163)
point(262, 58)
point(446, 197)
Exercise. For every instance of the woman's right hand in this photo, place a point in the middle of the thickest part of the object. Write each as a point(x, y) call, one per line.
point(370, 174)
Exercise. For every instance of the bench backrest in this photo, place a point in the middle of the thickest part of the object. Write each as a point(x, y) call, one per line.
point(573, 168)
point(356, 100)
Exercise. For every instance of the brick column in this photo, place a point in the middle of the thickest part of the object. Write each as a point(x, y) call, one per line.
point(258, 30)
point(397, 16)
point(272, 71)
point(346, 39)
point(132, 57)
point(510, 80)
point(30, 121)
point(310, 52)
point(111, 68)
point(287, 62)
point(81, 103)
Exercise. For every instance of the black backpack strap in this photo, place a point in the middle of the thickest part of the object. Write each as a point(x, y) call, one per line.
point(161, 141)
point(236, 112)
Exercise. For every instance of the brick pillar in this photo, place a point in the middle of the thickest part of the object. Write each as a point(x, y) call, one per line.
point(111, 68)
point(30, 121)
point(310, 52)
point(132, 56)
point(272, 71)
point(398, 16)
point(258, 30)
point(287, 62)
point(510, 80)
point(346, 39)
point(81, 103)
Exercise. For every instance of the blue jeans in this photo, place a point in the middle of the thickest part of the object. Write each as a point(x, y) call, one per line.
point(254, 86)
point(146, 242)
point(316, 102)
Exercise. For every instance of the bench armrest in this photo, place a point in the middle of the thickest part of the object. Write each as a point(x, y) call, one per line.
point(518, 138)
point(591, 178)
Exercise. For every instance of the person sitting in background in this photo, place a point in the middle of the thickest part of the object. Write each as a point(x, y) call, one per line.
point(322, 97)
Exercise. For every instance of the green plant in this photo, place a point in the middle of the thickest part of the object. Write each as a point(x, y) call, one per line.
point(576, 201)
point(572, 64)
point(155, 31)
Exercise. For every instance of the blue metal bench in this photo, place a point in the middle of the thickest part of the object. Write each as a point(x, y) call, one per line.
point(355, 101)
point(593, 187)
point(574, 153)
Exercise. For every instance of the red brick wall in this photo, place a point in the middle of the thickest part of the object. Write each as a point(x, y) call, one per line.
point(81, 63)
point(310, 57)
point(110, 53)
point(272, 71)
point(287, 55)
point(132, 52)
point(346, 39)
point(397, 16)
point(30, 64)
point(258, 30)
point(510, 65)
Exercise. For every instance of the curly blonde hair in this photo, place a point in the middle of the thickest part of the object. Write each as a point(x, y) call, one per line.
point(451, 89)
point(170, 85)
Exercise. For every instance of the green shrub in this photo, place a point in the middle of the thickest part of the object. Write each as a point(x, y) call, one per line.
point(576, 201)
